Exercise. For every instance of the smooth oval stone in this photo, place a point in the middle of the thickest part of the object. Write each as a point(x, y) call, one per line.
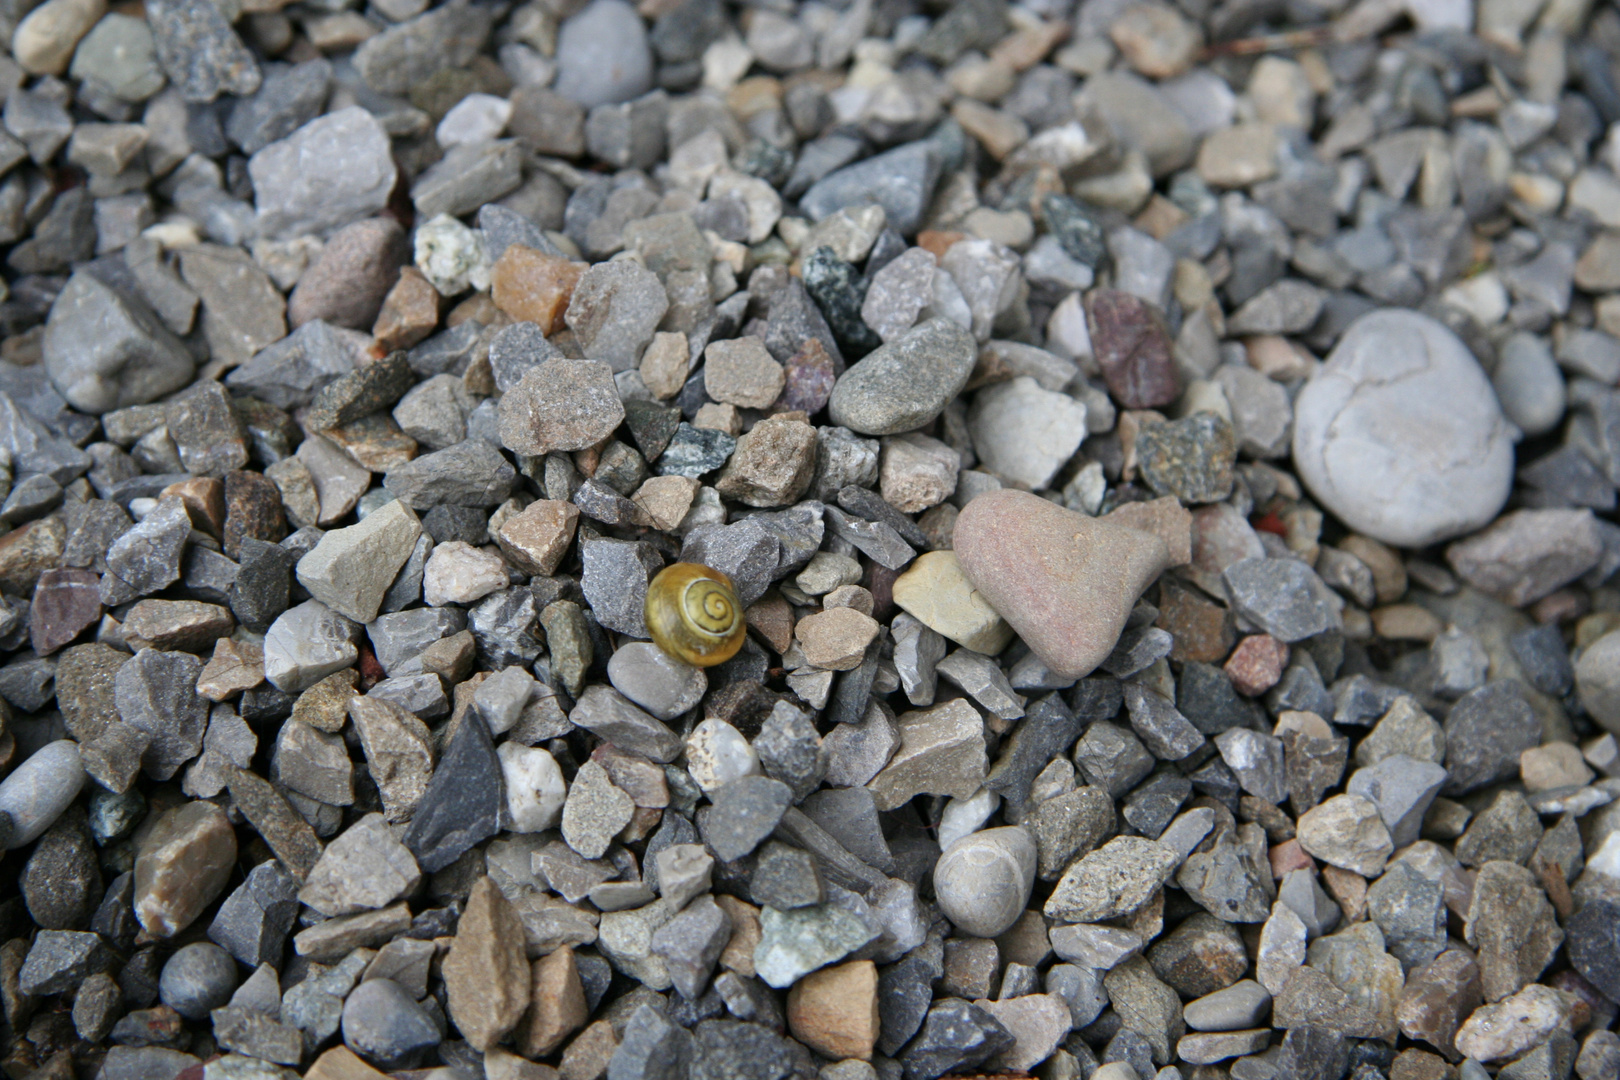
point(198, 979)
point(905, 384)
point(1244, 1004)
point(1065, 582)
point(383, 1024)
point(655, 680)
point(1400, 434)
point(603, 56)
point(983, 880)
point(39, 789)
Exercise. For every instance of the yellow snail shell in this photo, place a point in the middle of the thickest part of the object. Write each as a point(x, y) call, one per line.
point(694, 615)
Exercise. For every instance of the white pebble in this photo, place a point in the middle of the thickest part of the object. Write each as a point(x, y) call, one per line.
point(535, 791)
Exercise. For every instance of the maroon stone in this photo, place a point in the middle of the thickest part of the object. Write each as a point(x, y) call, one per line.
point(810, 378)
point(252, 509)
point(66, 603)
point(1133, 348)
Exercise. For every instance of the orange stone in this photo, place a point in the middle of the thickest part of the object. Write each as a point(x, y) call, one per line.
point(532, 286)
point(204, 499)
point(834, 1011)
point(937, 243)
point(409, 313)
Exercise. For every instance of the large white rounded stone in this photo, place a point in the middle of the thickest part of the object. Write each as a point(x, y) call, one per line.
point(1400, 435)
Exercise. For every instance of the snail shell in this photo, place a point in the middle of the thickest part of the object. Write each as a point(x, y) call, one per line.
point(694, 615)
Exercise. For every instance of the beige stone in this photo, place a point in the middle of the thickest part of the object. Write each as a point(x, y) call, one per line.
point(1388, 572)
point(741, 372)
point(666, 499)
point(341, 1063)
point(834, 1011)
point(235, 666)
point(184, 863)
point(486, 973)
point(1554, 765)
point(1156, 39)
point(773, 464)
point(836, 639)
point(536, 539)
point(738, 955)
point(325, 704)
point(557, 1004)
point(917, 472)
point(1165, 518)
point(718, 416)
point(532, 286)
point(936, 593)
point(1406, 622)
point(1238, 156)
point(666, 364)
point(588, 1055)
point(44, 41)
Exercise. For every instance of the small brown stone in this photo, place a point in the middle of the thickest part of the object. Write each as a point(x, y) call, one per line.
point(204, 499)
point(84, 688)
point(409, 312)
point(1406, 622)
point(1202, 629)
point(666, 364)
point(834, 1011)
point(28, 552)
point(184, 863)
point(561, 405)
point(532, 286)
point(556, 1004)
point(374, 442)
point(588, 1055)
point(536, 539)
point(341, 1063)
point(741, 372)
point(771, 617)
point(252, 509)
point(1257, 664)
point(666, 500)
point(282, 828)
point(1133, 348)
point(738, 955)
point(836, 640)
point(1348, 889)
point(486, 974)
point(347, 282)
point(772, 465)
point(1417, 1064)
point(451, 658)
point(1438, 997)
point(325, 705)
point(65, 604)
point(185, 625)
point(235, 666)
point(1389, 573)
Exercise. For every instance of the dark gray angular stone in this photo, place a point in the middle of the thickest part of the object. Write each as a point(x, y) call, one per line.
point(651, 1048)
point(1163, 730)
point(463, 802)
point(503, 624)
point(614, 580)
point(289, 373)
point(1048, 729)
point(1486, 731)
point(744, 813)
point(59, 960)
point(1283, 597)
point(255, 919)
point(263, 583)
point(156, 692)
point(288, 98)
point(956, 1034)
point(197, 979)
point(384, 1025)
point(899, 180)
point(733, 1050)
point(694, 452)
point(1542, 654)
point(1205, 697)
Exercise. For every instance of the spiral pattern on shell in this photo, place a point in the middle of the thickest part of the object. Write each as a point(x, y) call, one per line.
point(694, 615)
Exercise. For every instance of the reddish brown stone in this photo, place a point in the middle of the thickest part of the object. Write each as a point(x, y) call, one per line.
point(810, 376)
point(1256, 664)
point(346, 285)
point(204, 498)
point(252, 509)
point(1201, 628)
point(1439, 996)
point(409, 313)
point(28, 552)
point(66, 603)
point(1133, 348)
point(532, 286)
